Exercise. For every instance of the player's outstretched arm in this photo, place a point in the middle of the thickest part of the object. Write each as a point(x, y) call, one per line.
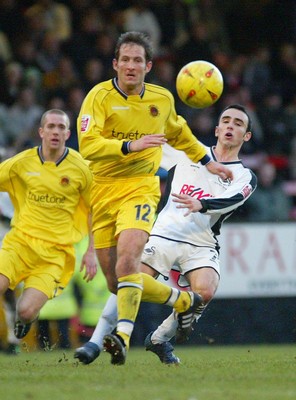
point(219, 169)
point(186, 201)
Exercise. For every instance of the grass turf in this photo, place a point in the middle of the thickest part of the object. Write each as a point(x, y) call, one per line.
point(206, 373)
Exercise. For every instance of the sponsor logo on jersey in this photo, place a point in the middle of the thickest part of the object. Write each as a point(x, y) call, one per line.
point(33, 173)
point(46, 199)
point(192, 191)
point(85, 121)
point(128, 135)
point(154, 112)
point(120, 108)
point(246, 190)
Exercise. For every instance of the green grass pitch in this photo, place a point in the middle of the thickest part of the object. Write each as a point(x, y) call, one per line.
point(249, 372)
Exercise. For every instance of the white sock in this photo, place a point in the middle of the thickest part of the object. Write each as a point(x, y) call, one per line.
point(166, 331)
point(107, 321)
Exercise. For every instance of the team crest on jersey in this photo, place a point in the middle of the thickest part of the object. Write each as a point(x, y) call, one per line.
point(246, 190)
point(154, 112)
point(65, 181)
point(224, 182)
point(149, 251)
point(85, 121)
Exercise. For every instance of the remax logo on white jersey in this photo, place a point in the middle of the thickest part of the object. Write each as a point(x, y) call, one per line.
point(192, 191)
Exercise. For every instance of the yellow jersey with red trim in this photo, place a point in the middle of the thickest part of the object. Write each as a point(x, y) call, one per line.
point(108, 117)
point(51, 200)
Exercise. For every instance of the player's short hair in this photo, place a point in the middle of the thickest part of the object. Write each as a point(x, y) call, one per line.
point(138, 38)
point(54, 111)
point(241, 108)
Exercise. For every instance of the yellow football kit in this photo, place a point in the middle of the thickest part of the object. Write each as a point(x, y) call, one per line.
point(51, 202)
point(126, 191)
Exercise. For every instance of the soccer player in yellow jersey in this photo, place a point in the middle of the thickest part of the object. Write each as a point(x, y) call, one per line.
point(49, 187)
point(122, 126)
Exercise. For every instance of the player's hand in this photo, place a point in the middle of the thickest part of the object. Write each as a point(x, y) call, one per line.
point(219, 169)
point(186, 201)
point(147, 141)
point(90, 263)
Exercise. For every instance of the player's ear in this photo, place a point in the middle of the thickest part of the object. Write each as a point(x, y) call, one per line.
point(40, 131)
point(114, 64)
point(216, 131)
point(68, 134)
point(148, 66)
point(247, 136)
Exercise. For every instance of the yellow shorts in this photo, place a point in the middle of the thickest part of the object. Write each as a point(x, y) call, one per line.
point(119, 204)
point(41, 265)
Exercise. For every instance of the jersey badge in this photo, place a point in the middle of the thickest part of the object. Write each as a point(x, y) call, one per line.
point(85, 121)
point(154, 112)
point(246, 190)
point(65, 181)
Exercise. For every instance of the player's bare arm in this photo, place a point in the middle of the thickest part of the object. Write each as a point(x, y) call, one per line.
point(147, 141)
point(90, 263)
point(89, 260)
point(219, 169)
point(186, 201)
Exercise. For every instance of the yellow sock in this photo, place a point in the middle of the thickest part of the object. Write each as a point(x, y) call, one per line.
point(160, 293)
point(128, 301)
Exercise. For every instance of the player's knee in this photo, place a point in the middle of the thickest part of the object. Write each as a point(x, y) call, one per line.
point(206, 293)
point(112, 286)
point(27, 313)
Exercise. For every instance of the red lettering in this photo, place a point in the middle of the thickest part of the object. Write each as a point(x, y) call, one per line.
point(236, 242)
point(186, 189)
point(271, 251)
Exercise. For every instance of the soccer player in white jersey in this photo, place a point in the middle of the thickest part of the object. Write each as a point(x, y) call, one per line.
point(49, 187)
point(185, 232)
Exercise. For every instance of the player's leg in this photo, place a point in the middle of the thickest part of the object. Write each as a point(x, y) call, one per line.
point(203, 281)
point(130, 283)
point(106, 324)
point(28, 307)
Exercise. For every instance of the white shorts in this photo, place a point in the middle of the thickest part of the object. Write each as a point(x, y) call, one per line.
point(163, 255)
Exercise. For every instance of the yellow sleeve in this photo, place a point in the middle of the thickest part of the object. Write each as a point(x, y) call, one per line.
point(180, 136)
point(90, 124)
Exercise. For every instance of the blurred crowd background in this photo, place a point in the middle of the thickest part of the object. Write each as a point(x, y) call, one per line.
point(53, 52)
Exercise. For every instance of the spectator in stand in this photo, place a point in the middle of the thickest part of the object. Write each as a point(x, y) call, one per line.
point(257, 75)
point(62, 78)
point(55, 17)
point(272, 117)
point(140, 17)
point(80, 46)
point(93, 72)
point(269, 203)
point(11, 77)
point(24, 114)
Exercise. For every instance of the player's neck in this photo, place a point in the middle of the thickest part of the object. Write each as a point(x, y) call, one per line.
point(130, 90)
point(225, 154)
point(52, 155)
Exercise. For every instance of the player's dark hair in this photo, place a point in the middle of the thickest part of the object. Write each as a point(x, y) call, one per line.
point(138, 38)
point(244, 110)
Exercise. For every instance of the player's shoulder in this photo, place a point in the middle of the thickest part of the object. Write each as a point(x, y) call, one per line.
point(23, 155)
point(75, 156)
point(162, 91)
point(102, 87)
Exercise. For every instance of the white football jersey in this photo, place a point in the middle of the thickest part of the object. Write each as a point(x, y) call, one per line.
point(219, 199)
